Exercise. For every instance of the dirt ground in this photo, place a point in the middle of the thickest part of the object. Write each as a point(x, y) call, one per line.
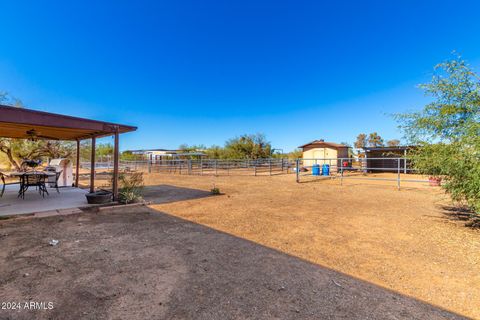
point(144, 264)
point(400, 240)
point(267, 248)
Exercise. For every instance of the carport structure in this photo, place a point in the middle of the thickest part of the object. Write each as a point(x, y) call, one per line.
point(21, 123)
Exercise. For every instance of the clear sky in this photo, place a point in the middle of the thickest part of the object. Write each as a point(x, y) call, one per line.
point(199, 72)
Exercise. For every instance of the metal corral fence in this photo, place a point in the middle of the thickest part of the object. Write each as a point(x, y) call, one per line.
point(254, 167)
point(348, 168)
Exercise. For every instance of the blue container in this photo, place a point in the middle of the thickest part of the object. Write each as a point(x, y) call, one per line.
point(325, 170)
point(316, 170)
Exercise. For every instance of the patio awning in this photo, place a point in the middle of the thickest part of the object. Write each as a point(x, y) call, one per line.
point(21, 123)
point(24, 123)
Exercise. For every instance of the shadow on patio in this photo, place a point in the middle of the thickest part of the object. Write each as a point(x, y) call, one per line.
point(69, 197)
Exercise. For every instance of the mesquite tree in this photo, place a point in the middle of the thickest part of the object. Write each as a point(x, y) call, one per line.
point(447, 131)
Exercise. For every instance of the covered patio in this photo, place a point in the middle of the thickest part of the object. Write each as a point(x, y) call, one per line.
point(21, 123)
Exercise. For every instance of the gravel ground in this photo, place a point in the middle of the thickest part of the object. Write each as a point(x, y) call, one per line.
point(138, 263)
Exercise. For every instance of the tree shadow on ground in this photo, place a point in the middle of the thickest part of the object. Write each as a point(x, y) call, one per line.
point(164, 193)
point(461, 214)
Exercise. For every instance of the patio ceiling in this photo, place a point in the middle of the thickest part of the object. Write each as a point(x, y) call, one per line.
point(24, 123)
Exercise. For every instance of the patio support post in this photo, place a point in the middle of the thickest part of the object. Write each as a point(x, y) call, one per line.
point(116, 155)
point(92, 166)
point(77, 166)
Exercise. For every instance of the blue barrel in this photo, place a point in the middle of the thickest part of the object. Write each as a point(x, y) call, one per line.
point(325, 170)
point(316, 170)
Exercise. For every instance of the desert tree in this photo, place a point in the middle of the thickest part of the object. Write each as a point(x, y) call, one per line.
point(361, 141)
point(248, 146)
point(393, 143)
point(375, 140)
point(447, 130)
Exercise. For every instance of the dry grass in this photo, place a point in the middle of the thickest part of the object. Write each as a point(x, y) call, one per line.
point(400, 240)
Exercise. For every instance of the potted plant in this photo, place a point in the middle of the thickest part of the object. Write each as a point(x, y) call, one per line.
point(429, 164)
point(99, 197)
point(434, 181)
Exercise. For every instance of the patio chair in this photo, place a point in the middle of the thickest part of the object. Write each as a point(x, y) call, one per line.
point(2, 177)
point(33, 180)
point(57, 176)
point(5, 183)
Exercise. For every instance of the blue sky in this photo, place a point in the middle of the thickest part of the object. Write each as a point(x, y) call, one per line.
point(200, 72)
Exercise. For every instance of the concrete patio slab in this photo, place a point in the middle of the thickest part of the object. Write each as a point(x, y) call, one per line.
point(68, 197)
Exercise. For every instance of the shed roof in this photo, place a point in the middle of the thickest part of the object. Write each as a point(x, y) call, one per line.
point(322, 143)
point(395, 148)
point(24, 123)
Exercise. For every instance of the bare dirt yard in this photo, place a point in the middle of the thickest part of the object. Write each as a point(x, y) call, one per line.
point(267, 248)
point(400, 240)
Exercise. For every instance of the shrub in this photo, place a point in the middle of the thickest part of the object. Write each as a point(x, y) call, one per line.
point(131, 187)
point(215, 190)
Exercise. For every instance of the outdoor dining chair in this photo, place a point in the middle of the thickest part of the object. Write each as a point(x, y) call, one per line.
point(2, 177)
point(33, 180)
point(5, 183)
point(57, 176)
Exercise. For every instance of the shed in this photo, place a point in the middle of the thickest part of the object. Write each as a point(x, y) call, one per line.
point(321, 151)
point(386, 159)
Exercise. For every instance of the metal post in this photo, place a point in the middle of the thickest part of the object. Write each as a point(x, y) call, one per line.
point(77, 167)
point(341, 171)
point(270, 165)
point(116, 158)
point(216, 167)
point(298, 170)
point(255, 168)
point(398, 175)
point(92, 166)
point(201, 166)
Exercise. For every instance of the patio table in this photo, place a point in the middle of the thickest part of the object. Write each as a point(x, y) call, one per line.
point(19, 174)
point(30, 173)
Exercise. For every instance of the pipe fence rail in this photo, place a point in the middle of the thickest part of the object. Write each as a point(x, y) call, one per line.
point(255, 167)
point(308, 169)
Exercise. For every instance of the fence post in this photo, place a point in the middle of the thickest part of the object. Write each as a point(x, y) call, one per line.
point(201, 166)
point(270, 165)
point(255, 168)
point(297, 169)
point(149, 166)
point(216, 166)
point(398, 174)
point(341, 171)
point(189, 166)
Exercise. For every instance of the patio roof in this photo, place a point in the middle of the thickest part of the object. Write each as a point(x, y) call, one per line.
point(22, 123)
